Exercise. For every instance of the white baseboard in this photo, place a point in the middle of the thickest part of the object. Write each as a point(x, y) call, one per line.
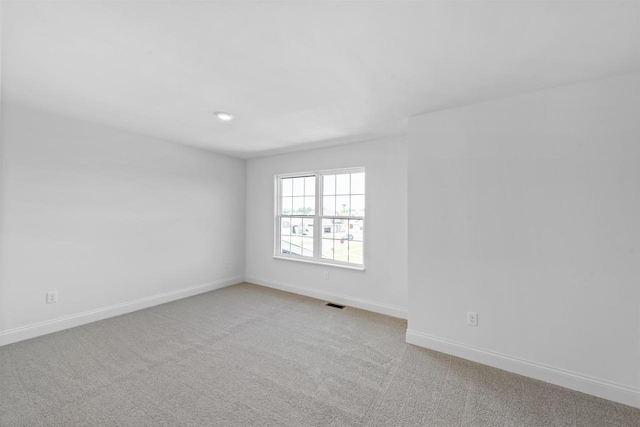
point(571, 380)
point(376, 307)
point(42, 328)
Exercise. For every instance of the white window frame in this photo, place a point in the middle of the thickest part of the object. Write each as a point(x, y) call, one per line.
point(317, 219)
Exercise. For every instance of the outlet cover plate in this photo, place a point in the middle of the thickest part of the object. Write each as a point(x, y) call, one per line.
point(472, 318)
point(52, 297)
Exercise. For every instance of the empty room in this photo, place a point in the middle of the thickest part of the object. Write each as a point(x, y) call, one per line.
point(319, 213)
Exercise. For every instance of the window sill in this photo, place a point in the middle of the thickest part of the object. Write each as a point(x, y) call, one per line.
point(326, 264)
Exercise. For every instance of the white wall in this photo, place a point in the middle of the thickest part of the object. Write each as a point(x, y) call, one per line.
point(108, 218)
point(526, 210)
point(1, 180)
point(383, 286)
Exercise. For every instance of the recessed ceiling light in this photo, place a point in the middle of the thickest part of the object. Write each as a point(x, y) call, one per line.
point(223, 116)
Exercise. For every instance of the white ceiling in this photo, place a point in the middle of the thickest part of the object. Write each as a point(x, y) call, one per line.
point(294, 73)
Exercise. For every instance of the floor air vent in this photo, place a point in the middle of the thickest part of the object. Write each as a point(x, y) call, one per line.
point(329, 304)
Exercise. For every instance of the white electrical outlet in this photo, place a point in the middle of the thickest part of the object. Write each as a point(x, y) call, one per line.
point(226, 265)
point(52, 297)
point(326, 275)
point(472, 318)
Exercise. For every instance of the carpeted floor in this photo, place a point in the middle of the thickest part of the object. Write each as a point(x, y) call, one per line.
point(247, 355)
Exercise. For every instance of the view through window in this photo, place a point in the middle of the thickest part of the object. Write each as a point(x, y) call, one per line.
point(320, 216)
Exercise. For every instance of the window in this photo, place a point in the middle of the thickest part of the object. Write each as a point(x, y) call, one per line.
point(320, 217)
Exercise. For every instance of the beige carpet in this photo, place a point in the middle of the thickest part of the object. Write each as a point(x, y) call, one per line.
point(251, 356)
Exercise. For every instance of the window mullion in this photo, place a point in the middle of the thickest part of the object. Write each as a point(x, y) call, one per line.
point(317, 222)
point(278, 231)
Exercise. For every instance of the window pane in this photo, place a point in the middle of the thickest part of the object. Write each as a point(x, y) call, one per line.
point(298, 186)
point(356, 230)
point(307, 246)
point(329, 205)
point(307, 227)
point(339, 227)
point(327, 228)
point(287, 186)
point(285, 245)
point(357, 183)
point(285, 227)
point(296, 245)
point(357, 205)
point(329, 184)
point(355, 252)
point(327, 248)
point(286, 205)
point(310, 186)
point(309, 205)
point(307, 237)
point(342, 184)
point(340, 249)
point(296, 226)
point(342, 205)
point(298, 205)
